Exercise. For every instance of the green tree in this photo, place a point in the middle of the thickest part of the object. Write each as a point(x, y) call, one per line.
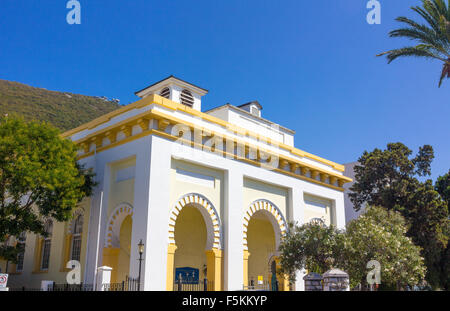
point(389, 178)
point(39, 178)
point(380, 235)
point(443, 187)
point(377, 234)
point(311, 246)
point(433, 38)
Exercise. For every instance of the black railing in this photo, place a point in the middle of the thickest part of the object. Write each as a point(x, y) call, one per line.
point(24, 289)
point(129, 285)
point(199, 286)
point(71, 287)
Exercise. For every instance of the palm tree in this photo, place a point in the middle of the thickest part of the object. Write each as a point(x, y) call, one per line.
point(433, 39)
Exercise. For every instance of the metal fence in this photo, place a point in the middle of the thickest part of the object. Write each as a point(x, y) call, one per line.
point(24, 289)
point(71, 287)
point(200, 286)
point(129, 285)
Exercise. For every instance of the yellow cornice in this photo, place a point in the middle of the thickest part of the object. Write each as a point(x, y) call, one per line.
point(161, 101)
point(341, 179)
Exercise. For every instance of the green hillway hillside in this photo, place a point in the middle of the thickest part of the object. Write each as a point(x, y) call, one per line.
point(62, 109)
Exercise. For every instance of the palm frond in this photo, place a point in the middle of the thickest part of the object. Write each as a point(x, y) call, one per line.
point(416, 51)
point(423, 33)
point(445, 72)
point(434, 36)
point(430, 20)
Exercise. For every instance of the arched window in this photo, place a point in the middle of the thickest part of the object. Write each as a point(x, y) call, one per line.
point(47, 243)
point(20, 257)
point(76, 238)
point(187, 98)
point(165, 93)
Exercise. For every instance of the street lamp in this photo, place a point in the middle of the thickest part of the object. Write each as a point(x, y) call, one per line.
point(141, 251)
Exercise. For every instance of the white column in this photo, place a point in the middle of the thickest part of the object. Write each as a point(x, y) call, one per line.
point(340, 211)
point(151, 213)
point(92, 239)
point(95, 228)
point(233, 232)
point(298, 210)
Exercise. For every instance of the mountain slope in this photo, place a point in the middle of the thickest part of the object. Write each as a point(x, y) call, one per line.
point(63, 110)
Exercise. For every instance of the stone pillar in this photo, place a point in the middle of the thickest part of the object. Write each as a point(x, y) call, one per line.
point(313, 282)
point(336, 280)
point(103, 277)
point(214, 267)
point(170, 266)
point(233, 231)
point(246, 256)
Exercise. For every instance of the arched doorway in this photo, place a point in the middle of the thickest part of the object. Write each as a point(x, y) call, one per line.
point(116, 253)
point(190, 257)
point(194, 250)
point(264, 226)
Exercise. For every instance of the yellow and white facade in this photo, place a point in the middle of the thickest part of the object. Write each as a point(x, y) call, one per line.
point(211, 191)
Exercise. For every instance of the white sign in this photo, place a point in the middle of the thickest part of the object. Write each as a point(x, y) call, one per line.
point(3, 280)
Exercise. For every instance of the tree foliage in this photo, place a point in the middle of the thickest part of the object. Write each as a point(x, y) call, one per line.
point(311, 246)
point(443, 187)
point(377, 234)
point(380, 235)
point(61, 109)
point(389, 178)
point(39, 178)
point(433, 37)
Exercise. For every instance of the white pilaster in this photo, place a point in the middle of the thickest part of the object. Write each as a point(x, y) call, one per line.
point(298, 211)
point(151, 212)
point(233, 232)
point(339, 211)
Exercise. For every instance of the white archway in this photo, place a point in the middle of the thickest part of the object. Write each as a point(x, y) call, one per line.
point(275, 217)
point(115, 221)
point(210, 216)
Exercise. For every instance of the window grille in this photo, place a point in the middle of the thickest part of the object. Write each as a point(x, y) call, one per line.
point(187, 98)
point(76, 238)
point(20, 257)
point(47, 245)
point(165, 93)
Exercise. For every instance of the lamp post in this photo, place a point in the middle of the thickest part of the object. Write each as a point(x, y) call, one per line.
point(141, 251)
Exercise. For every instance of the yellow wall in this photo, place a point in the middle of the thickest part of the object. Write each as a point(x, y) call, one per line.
point(317, 207)
point(256, 190)
point(180, 187)
point(123, 268)
point(32, 277)
point(190, 236)
point(122, 191)
point(261, 246)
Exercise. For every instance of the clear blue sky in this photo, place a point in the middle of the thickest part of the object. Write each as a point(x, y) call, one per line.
point(311, 64)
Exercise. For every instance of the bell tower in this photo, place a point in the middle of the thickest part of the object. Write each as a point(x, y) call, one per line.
point(177, 90)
